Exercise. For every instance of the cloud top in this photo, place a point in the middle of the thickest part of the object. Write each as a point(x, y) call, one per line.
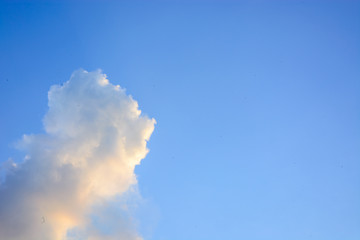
point(94, 137)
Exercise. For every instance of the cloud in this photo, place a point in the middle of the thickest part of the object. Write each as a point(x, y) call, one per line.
point(72, 182)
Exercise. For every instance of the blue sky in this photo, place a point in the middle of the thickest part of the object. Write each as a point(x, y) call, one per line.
point(257, 106)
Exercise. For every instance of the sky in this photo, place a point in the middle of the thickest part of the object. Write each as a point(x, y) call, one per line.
point(255, 107)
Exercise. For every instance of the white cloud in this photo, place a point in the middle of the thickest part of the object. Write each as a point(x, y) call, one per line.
point(94, 137)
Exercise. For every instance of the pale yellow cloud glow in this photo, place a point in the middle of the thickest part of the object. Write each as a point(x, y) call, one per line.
point(95, 136)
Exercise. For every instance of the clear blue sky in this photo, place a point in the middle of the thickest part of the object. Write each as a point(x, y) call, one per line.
point(257, 106)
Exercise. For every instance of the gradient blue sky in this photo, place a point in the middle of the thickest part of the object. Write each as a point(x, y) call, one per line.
point(257, 106)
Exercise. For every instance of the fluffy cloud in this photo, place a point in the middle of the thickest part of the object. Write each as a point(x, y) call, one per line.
point(74, 173)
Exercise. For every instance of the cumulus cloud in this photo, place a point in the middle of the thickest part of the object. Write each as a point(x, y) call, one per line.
point(72, 182)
